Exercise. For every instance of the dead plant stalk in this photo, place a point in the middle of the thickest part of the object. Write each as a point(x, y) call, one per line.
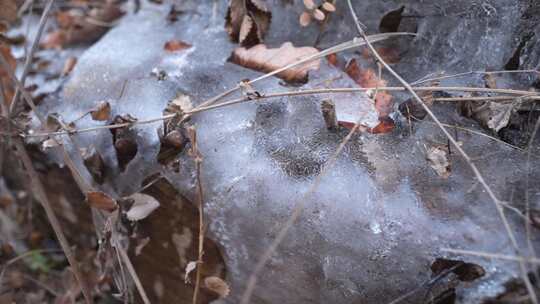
point(197, 157)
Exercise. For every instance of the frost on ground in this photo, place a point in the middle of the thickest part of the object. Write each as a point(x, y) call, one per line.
point(381, 215)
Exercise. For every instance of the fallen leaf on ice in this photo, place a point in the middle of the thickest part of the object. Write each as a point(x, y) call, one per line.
point(143, 205)
point(102, 112)
point(492, 115)
point(101, 201)
point(438, 160)
point(176, 45)
point(247, 21)
point(263, 59)
point(189, 268)
point(367, 78)
point(217, 285)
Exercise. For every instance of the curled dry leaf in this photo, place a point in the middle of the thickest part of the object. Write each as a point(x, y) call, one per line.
point(101, 201)
point(143, 205)
point(437, 157)
point(102, 112)
point(176, 45)
point(189, 268)
point(217, 285)
point(263, 59)
point(247, 21)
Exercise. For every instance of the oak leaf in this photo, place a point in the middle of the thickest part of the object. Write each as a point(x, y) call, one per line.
point(263, 59)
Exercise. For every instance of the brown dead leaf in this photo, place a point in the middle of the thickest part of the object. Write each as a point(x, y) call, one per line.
point(102, 112)
point(217, 285)
point(386, 125)
point(366, 78)
point(263, 59)
point(176, 45)
point(437, 157)
point(247, 21)
point(101, 201)
point(384, 103)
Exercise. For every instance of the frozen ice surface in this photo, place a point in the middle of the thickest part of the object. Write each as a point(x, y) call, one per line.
point(380, 216)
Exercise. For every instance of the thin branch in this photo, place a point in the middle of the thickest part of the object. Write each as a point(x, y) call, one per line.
point(475, 72)
point(210, 106)
point(30, 55)
point(133, 273)
point(528, 227)
point(477, 173)
point(492, 255)
point(197, 157)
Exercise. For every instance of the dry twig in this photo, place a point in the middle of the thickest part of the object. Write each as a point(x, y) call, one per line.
point(197, 157)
